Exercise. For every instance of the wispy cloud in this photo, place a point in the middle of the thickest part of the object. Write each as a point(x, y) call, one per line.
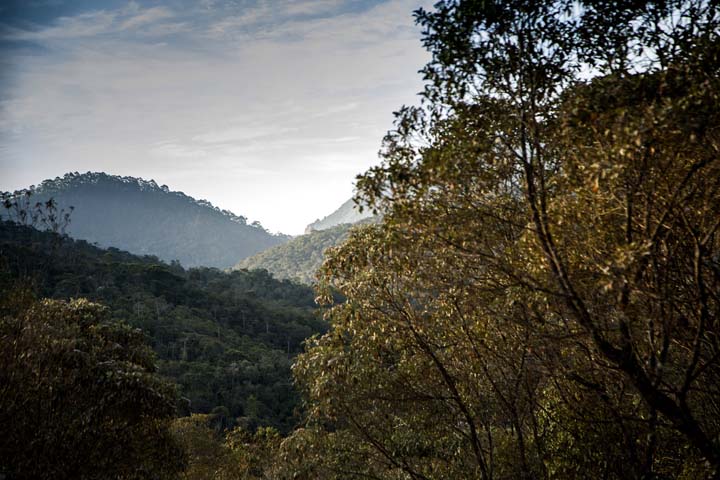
point(83, 25)
point(177, 150)
point(336, 109)
point(96, 23)
point(241, 134)
point(313, 7)
point(264, 15)
point(247, 18)
point(278, 18)
point(144, 17)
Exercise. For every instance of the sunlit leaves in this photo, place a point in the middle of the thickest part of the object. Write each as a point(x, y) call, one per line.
point(541, 299)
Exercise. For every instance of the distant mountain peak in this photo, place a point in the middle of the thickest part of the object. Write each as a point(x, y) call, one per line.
point(75, 179)
point(145, 218)
point(349, 212)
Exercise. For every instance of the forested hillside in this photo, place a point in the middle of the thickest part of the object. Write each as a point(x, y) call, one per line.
point(300, 258)
point(146, 219)
point(226, 339)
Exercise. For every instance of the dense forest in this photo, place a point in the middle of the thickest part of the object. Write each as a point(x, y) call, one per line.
point(541, 299)
point(226, 339)
point(145, 218)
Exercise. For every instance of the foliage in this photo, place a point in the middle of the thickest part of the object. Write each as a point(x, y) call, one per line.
point(542, 297)
point(254, 454)
point(218, 455)
point(79, 396)
point(226, 339)
point(20, 208)
point(208, 457)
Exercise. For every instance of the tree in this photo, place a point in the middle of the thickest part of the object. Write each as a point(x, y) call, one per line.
point(208, 457)
point(542, 297)
point(78, 395)
point(19, 208)
point(233, 454)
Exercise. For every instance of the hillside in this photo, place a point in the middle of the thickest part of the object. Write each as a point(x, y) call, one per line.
point(299, 258)
point(226, 339)
point(146, 219)
point(347, 213)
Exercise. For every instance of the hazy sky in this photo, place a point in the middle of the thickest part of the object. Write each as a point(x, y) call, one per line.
point(268, 108)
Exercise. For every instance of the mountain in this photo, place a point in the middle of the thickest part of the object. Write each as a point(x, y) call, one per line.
point(348, 212)
point(143, 218)
point(299, 258)
point(226, 339)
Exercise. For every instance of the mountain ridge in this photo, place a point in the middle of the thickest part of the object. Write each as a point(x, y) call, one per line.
point(299, 258)
point(74, 178)
point(145, 218)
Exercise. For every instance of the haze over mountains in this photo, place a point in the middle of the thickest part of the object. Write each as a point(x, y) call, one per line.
point(144, 218)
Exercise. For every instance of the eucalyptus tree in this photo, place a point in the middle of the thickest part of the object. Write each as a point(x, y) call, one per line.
point(542, 297)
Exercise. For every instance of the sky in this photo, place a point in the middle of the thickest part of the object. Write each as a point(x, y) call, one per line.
point(268, 108)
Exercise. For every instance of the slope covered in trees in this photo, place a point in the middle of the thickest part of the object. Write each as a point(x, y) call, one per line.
point(300, 258)
point(227, 340)
point(146, 219)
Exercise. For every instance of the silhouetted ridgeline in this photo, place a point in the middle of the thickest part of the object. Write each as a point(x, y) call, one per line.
point(143, 218)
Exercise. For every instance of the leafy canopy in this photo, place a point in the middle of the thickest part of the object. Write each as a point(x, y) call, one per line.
point(542, 297)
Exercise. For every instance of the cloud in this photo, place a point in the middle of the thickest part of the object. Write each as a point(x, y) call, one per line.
point(313, 7)
point(44, 3)
point(248, 18)
point(272, 117)
point(83, 25)
point(241, 134)
point(175, 150)
point(96, 23)
point(335, 109)
point(151, 15)
point(280, 18)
